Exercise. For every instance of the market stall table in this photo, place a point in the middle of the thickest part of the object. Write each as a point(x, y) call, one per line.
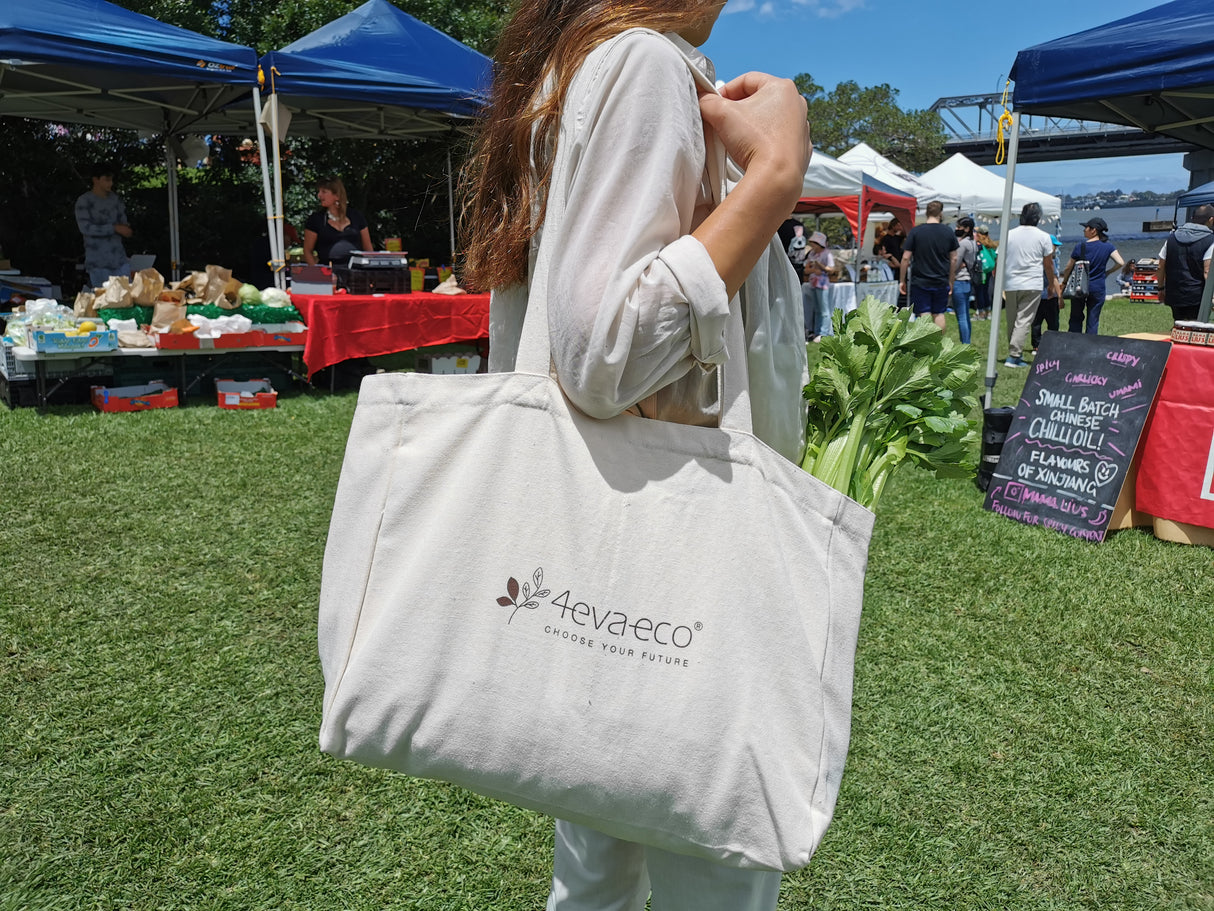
point(887, 292)
point(345, 326)
point(41, 359)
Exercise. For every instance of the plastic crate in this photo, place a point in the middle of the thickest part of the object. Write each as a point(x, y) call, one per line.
point(156, 394)
point(246, 395)
point(380, 281)
point(13, 369)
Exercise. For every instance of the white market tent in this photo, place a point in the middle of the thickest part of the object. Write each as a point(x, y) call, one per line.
point(981, 192)
point(869, 160)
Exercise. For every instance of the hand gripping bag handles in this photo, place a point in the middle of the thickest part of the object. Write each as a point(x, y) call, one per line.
point(647, 628)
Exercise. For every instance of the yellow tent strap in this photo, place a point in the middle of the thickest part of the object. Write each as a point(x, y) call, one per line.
point(1005, 123)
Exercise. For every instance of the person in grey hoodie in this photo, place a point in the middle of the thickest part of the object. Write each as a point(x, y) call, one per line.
point(1184, 263)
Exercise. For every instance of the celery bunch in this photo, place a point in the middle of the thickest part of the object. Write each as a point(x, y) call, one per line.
point(887, 391)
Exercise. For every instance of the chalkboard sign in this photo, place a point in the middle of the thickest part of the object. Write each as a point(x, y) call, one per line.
point(1074, 432)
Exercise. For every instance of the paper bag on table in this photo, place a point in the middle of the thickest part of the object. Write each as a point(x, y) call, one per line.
point(231, 294)
point(166, 313)
point(134, 338)
point(192, 285)
point(115, 293)
point(215, 289)
point(146, 287)
point(85, 304)
point(449, 286)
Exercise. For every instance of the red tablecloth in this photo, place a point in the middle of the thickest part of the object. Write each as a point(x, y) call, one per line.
point(344, 326)
point(1176, 475)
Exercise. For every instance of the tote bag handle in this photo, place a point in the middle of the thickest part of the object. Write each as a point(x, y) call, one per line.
point(535, 345)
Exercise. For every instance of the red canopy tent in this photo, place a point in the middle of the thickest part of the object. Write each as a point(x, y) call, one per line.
point(831, 186)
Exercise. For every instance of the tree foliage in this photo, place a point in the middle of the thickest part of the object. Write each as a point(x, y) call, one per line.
point(400, 186)
point(851, 113)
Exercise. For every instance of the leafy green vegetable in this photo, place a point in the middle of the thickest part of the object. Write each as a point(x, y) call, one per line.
point(887, 391)
point(249, 294)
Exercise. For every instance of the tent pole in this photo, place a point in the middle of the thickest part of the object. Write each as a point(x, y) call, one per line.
point(280, 278)
point(170, 161)
point(276, 257)
point(1203, 313)
point(451, 206)
point(1001, 261)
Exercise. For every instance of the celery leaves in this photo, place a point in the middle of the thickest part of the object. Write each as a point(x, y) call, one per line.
point(888, 391)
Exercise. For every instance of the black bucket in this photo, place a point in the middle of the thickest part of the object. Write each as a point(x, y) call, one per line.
point(996, 422)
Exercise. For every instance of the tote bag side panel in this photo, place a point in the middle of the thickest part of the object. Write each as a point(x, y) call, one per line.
point(353, 528)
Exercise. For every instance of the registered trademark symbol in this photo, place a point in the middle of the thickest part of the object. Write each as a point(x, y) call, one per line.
point(699, 626)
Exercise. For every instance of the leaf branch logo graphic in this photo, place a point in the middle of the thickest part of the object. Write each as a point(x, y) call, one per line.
point(529, 596)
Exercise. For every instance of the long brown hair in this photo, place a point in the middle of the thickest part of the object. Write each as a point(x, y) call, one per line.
point(338, 189)
point(542, 37)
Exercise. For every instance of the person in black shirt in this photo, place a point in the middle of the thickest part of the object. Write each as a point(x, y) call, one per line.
point(330, 236)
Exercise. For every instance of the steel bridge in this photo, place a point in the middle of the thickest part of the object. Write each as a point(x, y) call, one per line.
point(971, 123)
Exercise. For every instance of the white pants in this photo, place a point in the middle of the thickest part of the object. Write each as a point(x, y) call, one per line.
point(595, 872)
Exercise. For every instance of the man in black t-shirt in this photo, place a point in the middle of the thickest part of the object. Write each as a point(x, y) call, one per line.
point(929, 259)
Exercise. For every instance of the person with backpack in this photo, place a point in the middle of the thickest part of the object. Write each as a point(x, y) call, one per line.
point(981, 277)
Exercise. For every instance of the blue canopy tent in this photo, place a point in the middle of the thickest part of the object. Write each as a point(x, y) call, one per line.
point(1153, 70)
point(374, 73)
point(1198, 196)
point(91, 62)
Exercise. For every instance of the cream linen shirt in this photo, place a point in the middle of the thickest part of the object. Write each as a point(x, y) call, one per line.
point(636, 308)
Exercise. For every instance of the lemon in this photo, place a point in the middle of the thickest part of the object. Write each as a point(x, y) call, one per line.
point(87, 326)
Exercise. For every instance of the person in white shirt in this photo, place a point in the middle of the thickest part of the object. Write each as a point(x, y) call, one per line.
point(1029, 256)
point(640, 283)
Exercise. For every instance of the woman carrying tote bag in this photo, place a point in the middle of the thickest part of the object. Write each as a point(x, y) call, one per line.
point(650, 632)
point(639, 284)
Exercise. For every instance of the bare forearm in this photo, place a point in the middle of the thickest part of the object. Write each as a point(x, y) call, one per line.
point(737, 232)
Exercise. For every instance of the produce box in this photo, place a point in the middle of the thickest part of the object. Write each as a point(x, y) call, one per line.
point(250, 339)
point(59, 342)
point(456, 363)
point(156, 394)
point(249, 394)
point(293, 333)
point(307, 279)
point(186, 341)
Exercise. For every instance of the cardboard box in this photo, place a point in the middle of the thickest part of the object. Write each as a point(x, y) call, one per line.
point(294, 333)
point(249, 394)
point(456, 363)
point(250, 339)
point(156, 394)
point(307, 279)
point(88, 343)
point(185, 341)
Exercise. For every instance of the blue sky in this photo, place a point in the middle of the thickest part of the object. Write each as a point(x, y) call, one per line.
point(929, 49)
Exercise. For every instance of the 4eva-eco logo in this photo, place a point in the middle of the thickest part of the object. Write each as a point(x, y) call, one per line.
point(587, 624)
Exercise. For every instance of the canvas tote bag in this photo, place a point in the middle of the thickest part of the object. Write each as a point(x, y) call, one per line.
point(646, 628)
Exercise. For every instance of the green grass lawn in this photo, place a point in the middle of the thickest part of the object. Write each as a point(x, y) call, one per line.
point(1033, 714)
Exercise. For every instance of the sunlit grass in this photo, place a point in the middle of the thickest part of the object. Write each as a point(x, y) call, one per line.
point(1032, 728)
